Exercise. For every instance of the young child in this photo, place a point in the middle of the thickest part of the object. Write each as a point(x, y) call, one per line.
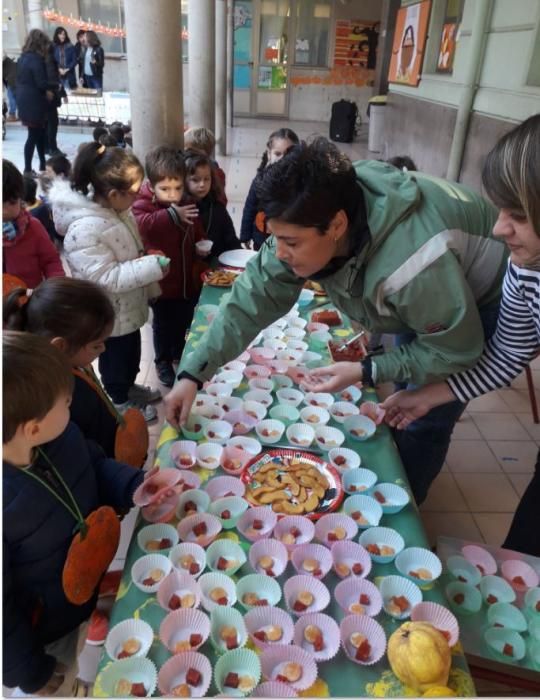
point(28, 252)
point(38, 206)
point(53, 479)
point(58, 166)
point(214, 217)
point(117, 131)
point(201, 139)
point(165, 223)
point(253, 229)
point(102, 244)
point(77, 317)
point(98, 132)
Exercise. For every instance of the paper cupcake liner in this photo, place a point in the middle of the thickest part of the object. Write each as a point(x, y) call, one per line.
point(274, 344)
point(255, 410)
point(532, 597)
point(229, 404)
point(534, 628)
point(269, 548)
point(142, 567)
point(300, 434)
point(240, 421)
point(212, 580)
point(243, 662)
point(373, 411)
point(463, 570)
point(173, 673)
point(314, 417)
point(286, 414)
point(341, 410)
point(298, 345)
point(274, 689)
point(189, 480)
point(298, 373)
point(221, 617)
point(224, 487)
point(262, 513)
point(533, 651)
point(219, 389)
point(319, 399)
point(316, 552)
point(257, 371)
point(277, 368)
point(185, 529)
point(157, 533)
point(202, 400)
point(235, 506)
point(463, 598)
point(282, 382)
point(243, 357)
point(183, 450)
point(440, 617)
point(262, 383)
point(233, 459)
point(272, 333)
point(294, 333)
point(520, 575)
point(314, 326)
point(249, 446)
point(275, 658)
point(189, 429)
point(162, 513)
point(208, 455)
point(347, 554)
point(136, 670)
point(177, 583)
point(328, 438)
point(230, 376)
point(184, 549)
point(261, 355)
point(359, 423)
point(290, 357)
point(285, 525)
point(397, 586)
point(269, 426)
point(412, 559)
point(351, 590)
point(481, 558)
point(507, 616)
point(496, 639)
point(382, 536)
point(129, 629)
point(371, 629)
point(290, 397)
point(364, 510)
point(164, 478)
point(330, 635)
point(297, 322)
point(179, 625)
point(495, 589)
point(351, 393)
point(196, 496)
point(296, 584)
point(312, 359)
point(213, 412)
point(264, 587)
point(395, 497)
point(226, 549)
point(359, 481)
point(263, 397)
point(235, 365)
point(218, 431)
point(328, 523)
point(258, 619)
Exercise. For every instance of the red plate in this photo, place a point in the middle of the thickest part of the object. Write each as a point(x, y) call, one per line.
point(333, 496)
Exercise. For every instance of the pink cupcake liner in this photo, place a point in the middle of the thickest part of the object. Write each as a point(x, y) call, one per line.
point(316, 552)
point(298, 374)
point(173, 673)
point(272, 548)
point(162, 513)
point(274, 689)
point(526, 576)
point(184, 449)
point(290, 522)
point(185, 528)
point(162, 479)
point(243, 357)
point(188, 548)
point(258, 619)
point(330, 634)
point(263, 513)
point(240, 421)
point(233, 460)
point(179, 625)
point(260, 356)
point(481, 558)
point(213, 580)
point(374, 411)
point(179, 584)
point(296, 584)
point(371, 629)
point(351, 553)
point(352, 590)
point(440, 617)
point(189, 480)
point(253, 371)
point(275, 658)
point(223, 486)
point(330, 522)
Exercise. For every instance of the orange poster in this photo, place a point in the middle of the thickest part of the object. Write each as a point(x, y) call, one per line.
point(409, 43)
point(356, 43)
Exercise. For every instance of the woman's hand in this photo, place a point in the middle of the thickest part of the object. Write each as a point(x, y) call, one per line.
point(404, 407)
point(333, 378)
point(178, 402)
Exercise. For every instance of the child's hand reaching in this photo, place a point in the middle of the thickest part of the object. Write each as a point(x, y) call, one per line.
point(187, 213)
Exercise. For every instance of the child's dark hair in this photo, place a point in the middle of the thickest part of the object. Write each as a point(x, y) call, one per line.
point(35, 375)
point(105, 169)
point(30, 189)
point(197, 159)
point(61, 307)
point(98, 132)
point(163, 162)
point(12, 182)
point(283, 133)
point(403, 162)
point(199, 138)
point(309, 185)
point(117, 132)
point(60, 165)
point(108, 140)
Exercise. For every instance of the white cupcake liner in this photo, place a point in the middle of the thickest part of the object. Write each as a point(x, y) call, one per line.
point(218, 431)
point(194, 496)
point(265, 587)
point(224, 487)
point(230, 403)
point(463, 570)
point(311, 359)
point(516, 568)
point(350, 553)
point(314, 416)
point(156, 533)
point(203, 401)
point(371, 629)
point(472, 598)
point(299, 346)
point(440, 617)
point(290, 357)
point(362, 423)
point(262, 383)
point(330, 634)
point(352, 394)
point(189, 480)
point(294, 333)
point(327, 438)
point(235, 365)
point(274, 689)
point(240, 421)
point(179, 584)
point(274, 344)
point(212, 580)
point(142, 567)
point(230, 376)
point(257, 371)
point(290, 397)
point(164, 478)
point(185, 529)
point(261, 355)
point(300, 434)
point(297, 373)
point(391, 586)
point(136, 670)
point(342, 410)
point(319, 399)
point(314, 326)
point(241, 661)
point(497, 638)
point(184, 450)
point(349, 591)
point(288, 415)
point(327, 523)
point(275, 658)
point(497, 587)
point(219, 389)
point(208, 455)
point(316, 552)
point(373, 411)
point(359, 480)
point(289, 522)
point(319, 339)
point(255, 410)
point(178, 625)
point(129, 629)
point(481, 558)
point(233, 459)
point(264, 397)
point(227, 617)
point(367, 507)
point(184, 549)
point(395, 497)
point(382, 536)
point(249, 445)
point(296, 584)
point(173, 673)
point(297, 322)
point(413, 558)
point(228, 550)
point(282, 382)
point(272, 548)
point(277, 368)
point(258, 619)
point(264, 513)
point(236, 507)
point(272, 333)
point(212, 411)
point(269, 425)
point(508, 616)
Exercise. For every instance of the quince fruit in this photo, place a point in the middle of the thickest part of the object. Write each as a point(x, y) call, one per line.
point(439, 691)
point(420, 656)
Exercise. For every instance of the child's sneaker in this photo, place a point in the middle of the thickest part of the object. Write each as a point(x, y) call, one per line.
point(149, 412)
point(144, 394)
point(165, 373)
point(98, 626)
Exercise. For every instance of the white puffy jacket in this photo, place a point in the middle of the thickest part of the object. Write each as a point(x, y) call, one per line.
point(105, 247)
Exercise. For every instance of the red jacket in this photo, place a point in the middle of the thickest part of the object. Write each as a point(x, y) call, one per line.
point(31, 255)
point(161, 229)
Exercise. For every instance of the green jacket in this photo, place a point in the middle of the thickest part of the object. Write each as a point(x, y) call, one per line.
point(430, 264)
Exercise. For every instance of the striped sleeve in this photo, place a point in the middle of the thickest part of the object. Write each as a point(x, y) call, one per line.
point(514, 343)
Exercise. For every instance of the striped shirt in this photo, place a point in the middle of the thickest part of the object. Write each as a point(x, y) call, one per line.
point(516, 340)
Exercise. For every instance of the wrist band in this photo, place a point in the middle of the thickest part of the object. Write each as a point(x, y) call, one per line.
point(367, 371)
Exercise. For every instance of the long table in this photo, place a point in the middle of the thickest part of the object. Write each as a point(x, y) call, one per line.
point(338, 677)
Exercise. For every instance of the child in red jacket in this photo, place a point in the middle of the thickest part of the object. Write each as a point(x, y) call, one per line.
point(28, 251)
point(168, 223)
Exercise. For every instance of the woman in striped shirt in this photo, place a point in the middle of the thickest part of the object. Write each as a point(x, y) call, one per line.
point(511, 177)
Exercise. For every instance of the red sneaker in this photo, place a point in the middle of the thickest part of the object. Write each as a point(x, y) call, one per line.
point(97, 628)
point(110, 583)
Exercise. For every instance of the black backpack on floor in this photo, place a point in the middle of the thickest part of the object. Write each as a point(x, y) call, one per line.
point(343, 120)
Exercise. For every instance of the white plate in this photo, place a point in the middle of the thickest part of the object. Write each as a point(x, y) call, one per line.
point(236, 258)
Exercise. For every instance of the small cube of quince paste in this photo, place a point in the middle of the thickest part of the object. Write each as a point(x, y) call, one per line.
point(175, 602)
point(195, 639)
point(194, 568)
point(193, 677)
point(200, 529)
point(491, 599)
point(379, 497)
point(226, 515)
point(459, 598)
point(231, 642)
point(364, 599)
point(138, 690)
point(257, 524)
point(231, 680)
point(518, 581)
point(357, 569)
point(165, 543)
point(508, 650)
point(364, 651)
point(260, 635)
point(190, 507)
point(222, 564)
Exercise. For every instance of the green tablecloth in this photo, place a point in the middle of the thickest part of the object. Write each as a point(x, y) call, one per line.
point(338, 677)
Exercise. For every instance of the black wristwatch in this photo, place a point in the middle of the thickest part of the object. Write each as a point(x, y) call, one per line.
point(367, 371)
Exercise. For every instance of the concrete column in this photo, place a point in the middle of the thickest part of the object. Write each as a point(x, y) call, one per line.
point(202, 63)
point(230, 62)
point(154, 60)
point(34, 18)
point(221, 77)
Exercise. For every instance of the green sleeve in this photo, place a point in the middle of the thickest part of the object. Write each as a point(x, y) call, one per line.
point(438, 305)
point(264, 292)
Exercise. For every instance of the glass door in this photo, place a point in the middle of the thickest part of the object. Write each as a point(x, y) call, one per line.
point(243, 56)
point(270, 71)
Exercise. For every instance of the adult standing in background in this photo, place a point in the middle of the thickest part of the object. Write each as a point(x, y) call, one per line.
point(93, 60)
point(79, 50)
point(33, 96)
point(9, 78)
point(57, 90)
point(65, 57)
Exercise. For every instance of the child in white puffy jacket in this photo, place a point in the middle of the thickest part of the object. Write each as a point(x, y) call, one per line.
point(102, 244)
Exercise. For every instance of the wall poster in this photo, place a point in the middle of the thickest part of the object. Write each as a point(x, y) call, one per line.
point(356, 43)
point(409, 43)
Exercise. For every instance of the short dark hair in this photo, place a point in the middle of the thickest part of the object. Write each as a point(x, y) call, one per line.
point(163, 162)
point(117, 132)
point(198, 159)
point(105, 169)
point(402, 162)
point(98, 132)
point(35, 375)
point(12, 182)
point(309, 185)
point(30, 189)
point(92, 38)
point(60, 165)
point(108, 140)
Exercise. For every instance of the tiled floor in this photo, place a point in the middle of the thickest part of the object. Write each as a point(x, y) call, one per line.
point(494, 445)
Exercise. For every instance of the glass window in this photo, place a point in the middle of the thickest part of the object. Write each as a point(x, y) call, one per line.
point(109, 13)
point(312, 32)
point(450, 27)
point(185, 34)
